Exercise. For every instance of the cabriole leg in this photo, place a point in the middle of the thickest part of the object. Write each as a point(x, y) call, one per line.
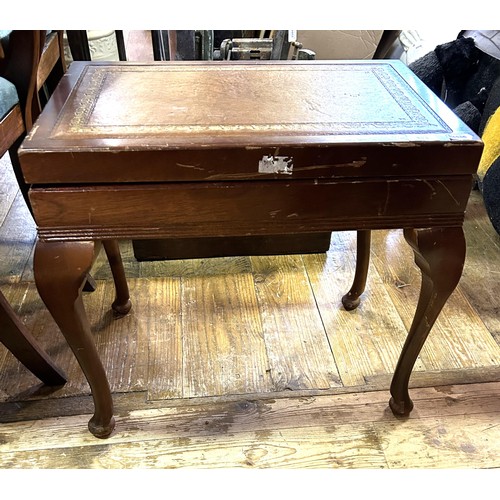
point(60, 272)
point(351, 299)
point(122, 302)
point(440, 255)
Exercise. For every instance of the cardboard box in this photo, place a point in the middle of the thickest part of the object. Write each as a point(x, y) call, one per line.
point(341, 44)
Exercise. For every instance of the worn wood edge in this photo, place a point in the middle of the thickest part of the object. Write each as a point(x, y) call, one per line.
point(49, 233)
point(33, 409)
point(11, 127)
point(353, 446)
point(448, 441)
point(235, 420)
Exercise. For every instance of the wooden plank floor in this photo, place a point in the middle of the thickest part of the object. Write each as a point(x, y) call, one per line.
point(251, 361)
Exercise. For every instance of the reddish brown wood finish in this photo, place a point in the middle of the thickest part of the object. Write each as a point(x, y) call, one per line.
point(239, 208)
point(122, 303)
point(440, 255)
point(61, 271)
point(352, 298)
point(22, 344)
point(19, 65)
point(188, 150)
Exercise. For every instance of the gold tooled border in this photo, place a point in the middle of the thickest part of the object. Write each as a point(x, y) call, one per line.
point(95, 77)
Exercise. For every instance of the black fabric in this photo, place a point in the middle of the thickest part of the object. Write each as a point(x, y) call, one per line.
point(428, 69)
point(481, 81)
point(459, 61)
point(469, 114)
point(491, 105)
point(463, 76)
point(491, 194)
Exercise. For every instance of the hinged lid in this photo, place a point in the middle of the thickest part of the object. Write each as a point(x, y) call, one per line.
point(200, 120)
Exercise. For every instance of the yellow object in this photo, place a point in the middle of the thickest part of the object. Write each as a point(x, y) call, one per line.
point(491, 139)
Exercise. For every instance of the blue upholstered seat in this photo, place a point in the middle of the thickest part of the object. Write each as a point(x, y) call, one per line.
point(8, 92)
point(4, 38)
point(8, 97)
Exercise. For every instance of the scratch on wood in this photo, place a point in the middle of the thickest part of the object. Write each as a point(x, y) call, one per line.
point(401, 284)
point(427, 183)
point(189, 166)
point(449, 192)
point(387, 196)
point(353, 164)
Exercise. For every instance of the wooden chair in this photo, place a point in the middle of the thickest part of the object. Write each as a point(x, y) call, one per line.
point(15, 105)
point(31, 64)
point(51, 67)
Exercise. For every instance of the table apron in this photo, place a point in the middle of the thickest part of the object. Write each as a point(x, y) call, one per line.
point(246, 208)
